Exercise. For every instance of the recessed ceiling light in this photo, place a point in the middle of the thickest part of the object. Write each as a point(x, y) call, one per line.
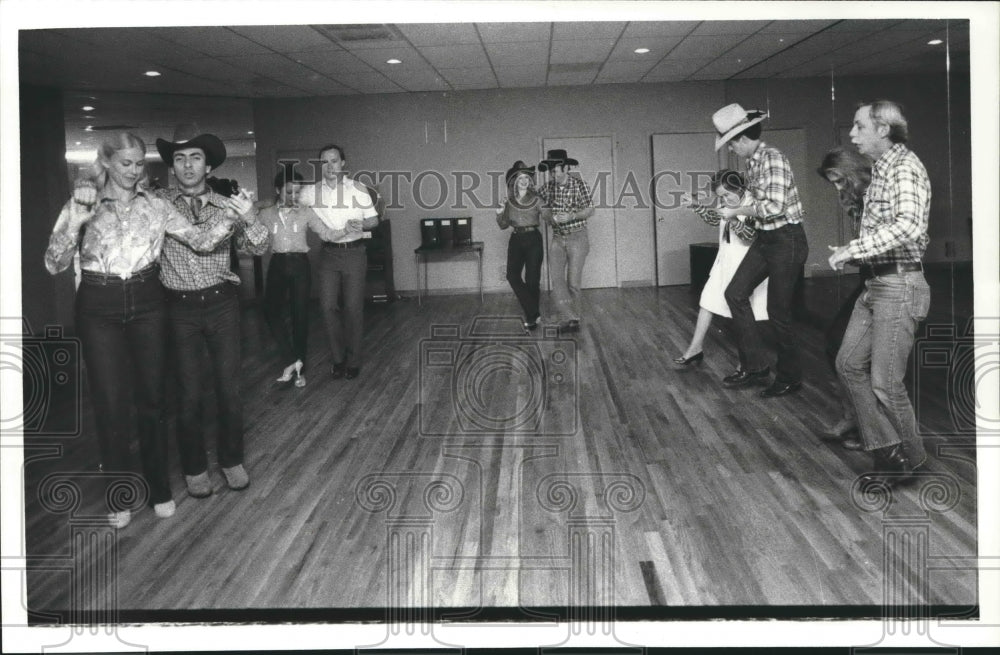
point(250, 132)
point(152, 73)
point(88, 117)
point(79, 143)
point(393, 61)
point(935, 42)
point(641, 51)
point(781, 40)
point(89, 128)
point(87, 108)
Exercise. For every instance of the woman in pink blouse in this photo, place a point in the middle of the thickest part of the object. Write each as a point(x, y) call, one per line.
point(117, 226)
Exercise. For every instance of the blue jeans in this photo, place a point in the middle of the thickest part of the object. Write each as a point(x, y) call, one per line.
point(567, 255)
point(777, 255)
point(524, 257)
point(288, 280)
point(123, 336)
point(341, 274)
point(872, 360)
point(199, 320)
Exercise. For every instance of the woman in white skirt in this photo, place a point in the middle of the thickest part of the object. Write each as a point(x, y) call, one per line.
point(735, 237)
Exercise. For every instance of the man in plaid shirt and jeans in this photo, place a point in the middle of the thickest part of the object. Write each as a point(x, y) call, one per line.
point(872, 359)
point(777, 254)
point(567, 207)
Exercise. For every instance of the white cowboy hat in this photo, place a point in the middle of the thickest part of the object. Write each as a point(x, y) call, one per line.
point(732, 119)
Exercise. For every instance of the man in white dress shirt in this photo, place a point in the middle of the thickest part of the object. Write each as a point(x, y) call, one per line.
point(342, 204)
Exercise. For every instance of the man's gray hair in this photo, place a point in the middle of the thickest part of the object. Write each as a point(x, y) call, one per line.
point(887, 112)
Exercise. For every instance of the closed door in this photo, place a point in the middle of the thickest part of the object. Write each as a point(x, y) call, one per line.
point(682, 165)
point(595, 154)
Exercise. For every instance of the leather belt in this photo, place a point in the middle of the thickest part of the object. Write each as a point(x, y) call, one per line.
point(892, 268)
point(357, 243)
point(519, 229)
point(91, 277)
point(216, 291)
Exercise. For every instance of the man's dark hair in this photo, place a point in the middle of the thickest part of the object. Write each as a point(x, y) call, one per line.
point(332, 146)
point(286, 175)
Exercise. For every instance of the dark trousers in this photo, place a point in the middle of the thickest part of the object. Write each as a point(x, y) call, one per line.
point(288, 281)
point(123, 331)
point(199, 320)
point(341, 274)
point(777, 255)
point(524, 269)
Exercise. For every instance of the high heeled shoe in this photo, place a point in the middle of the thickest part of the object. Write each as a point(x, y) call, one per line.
point(286, 375)
point(693, 359)
point(300, 380)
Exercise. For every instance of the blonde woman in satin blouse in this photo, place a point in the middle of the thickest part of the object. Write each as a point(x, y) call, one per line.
point(117, 226)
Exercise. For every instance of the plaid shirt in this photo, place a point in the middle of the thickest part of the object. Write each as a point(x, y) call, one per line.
point(772, 185)
point(897, 206)
point(183, 269)
point(573, 196)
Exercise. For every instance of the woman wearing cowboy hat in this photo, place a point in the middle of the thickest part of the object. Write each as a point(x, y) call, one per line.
point(521, 212)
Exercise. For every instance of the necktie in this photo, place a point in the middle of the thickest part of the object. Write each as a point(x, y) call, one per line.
point(196, 206)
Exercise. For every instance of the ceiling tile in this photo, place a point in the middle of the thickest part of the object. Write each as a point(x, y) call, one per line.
point(287, 38)
point(864, 25)
point(464, 76)
point(424, 82)
point(659, 28)
point(220, 41)
point(623, 71)
point(566, 52)
point(514, 32)
point(214, 69)
point(377, 57)
point(333, 64)
point(658, 47)
point(734, 27)
point(470, 87)
point(700, 47)
point(796, 26)
point(455, 56)
point(569, 79)
point(763, 45)
point(672, 68)
point(271, 65)
point(516, 54)
point(521, 76)
point(586, 30)
point(430, 34)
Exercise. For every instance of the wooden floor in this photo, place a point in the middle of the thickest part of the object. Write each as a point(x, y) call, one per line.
point(455, 473)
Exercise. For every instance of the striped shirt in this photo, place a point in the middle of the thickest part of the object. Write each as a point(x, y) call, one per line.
point(772, 185)
point(573, 196)
point(183, 269)
point(897, 206)
point(739, 227)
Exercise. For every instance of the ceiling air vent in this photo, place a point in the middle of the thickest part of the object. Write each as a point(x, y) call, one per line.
point(360, 33)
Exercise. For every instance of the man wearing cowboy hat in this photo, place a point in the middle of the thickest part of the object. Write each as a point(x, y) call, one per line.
point(568, 206)
point(204, 308)
point(777, 254)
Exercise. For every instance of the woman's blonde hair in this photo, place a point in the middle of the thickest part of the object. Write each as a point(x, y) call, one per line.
point(111, 144)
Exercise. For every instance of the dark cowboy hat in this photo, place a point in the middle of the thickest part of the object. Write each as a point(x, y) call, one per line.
point(555, 157)
point(189, 136)
point(518, 168)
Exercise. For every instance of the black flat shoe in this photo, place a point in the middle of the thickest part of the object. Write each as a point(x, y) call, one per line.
point(351, 372)
point(338, 371)
point(780, 389)
point(693, 359)
point(743, 378)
